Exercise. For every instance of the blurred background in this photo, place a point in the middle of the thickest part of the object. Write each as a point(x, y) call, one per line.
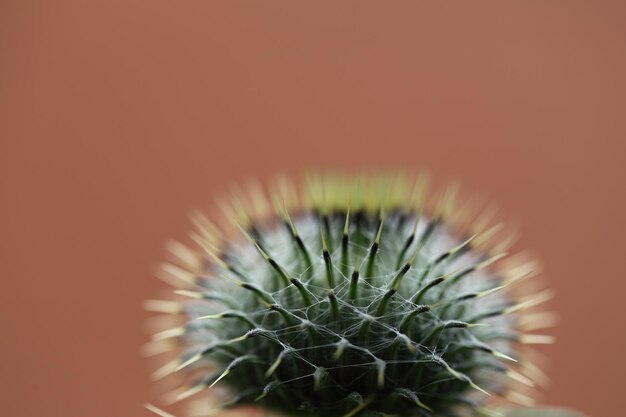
point(119, 117)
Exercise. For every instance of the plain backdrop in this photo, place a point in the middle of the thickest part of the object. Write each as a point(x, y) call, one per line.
point(119, 116)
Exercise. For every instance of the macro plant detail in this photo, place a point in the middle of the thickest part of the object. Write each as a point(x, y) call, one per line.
point(350, 296)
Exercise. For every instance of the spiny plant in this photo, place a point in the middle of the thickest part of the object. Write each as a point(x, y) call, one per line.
point(352, 297)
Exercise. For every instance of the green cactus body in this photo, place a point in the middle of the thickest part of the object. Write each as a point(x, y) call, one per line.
point(354, 298)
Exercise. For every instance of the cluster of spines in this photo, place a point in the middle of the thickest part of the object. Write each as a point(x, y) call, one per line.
point(323, 200)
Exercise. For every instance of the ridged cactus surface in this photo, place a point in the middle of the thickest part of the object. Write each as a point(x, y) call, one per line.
point(354, 297)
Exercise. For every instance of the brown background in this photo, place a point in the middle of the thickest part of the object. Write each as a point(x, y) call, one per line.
point(117, 117)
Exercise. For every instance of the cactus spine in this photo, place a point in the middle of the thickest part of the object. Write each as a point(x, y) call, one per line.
point(355, 297)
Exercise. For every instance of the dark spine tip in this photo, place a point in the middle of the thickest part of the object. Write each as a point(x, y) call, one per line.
point(326, 223)
point(455, 325)
point(299, 242)
point(436, 281)
point(409, 241)
point(334, 305)
point(306, 296)
point(421, 292)
point(467, 297)
point(385, 301)
point(273, 263)
point(374, 249)
point(329, 269)
point(422, 309)
point(354, 280)
point(442, 258)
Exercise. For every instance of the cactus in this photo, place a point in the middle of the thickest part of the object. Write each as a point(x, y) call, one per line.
point(355, 297)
